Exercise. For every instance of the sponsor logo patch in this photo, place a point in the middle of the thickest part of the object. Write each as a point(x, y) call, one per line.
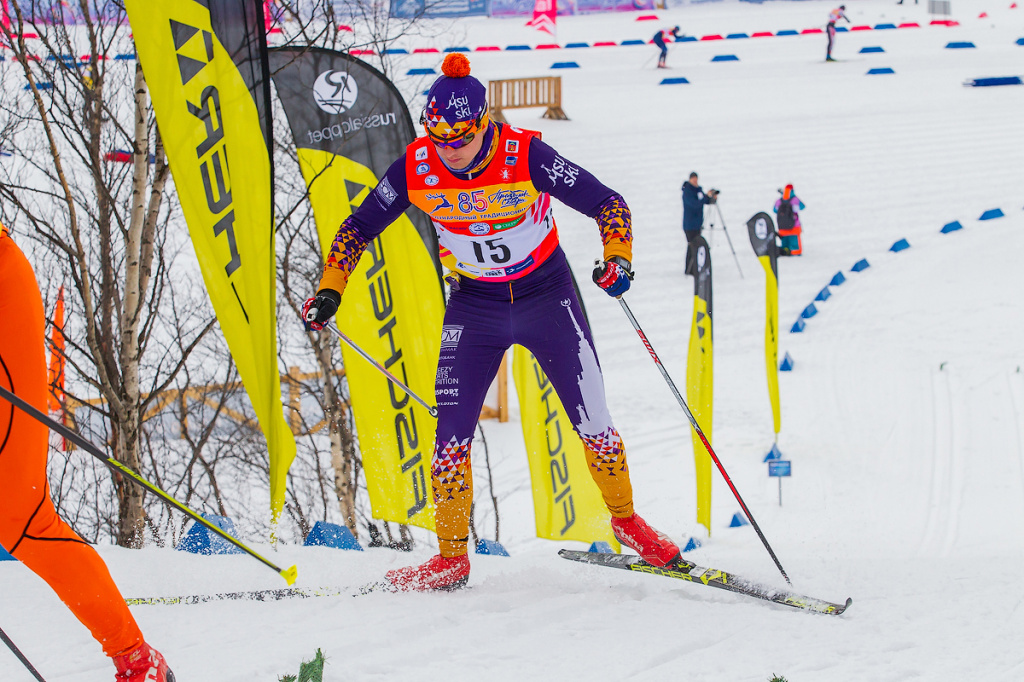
point(512, 146)
point(451, 334)
point(387, 192)
point(511, 160)
point(422, 169)
point(335, 91)
point(431, 180)
point(479, 228)
point(421, 154)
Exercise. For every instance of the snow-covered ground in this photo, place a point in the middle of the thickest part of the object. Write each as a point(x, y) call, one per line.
point(904, 417)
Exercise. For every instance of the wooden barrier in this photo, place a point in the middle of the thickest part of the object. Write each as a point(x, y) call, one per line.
point(522, 93)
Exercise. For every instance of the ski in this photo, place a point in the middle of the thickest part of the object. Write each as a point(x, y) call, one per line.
point(684, 570)
point(255, 595)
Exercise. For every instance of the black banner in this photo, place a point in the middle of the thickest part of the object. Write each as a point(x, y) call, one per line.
point(340, 105)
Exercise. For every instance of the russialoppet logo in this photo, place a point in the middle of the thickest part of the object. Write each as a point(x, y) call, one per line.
point(479, 228)
point(335, 91)
point(431, 180)
point(422, 169)
point(761, 228)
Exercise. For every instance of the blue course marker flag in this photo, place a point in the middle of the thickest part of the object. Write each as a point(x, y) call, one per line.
point(809, 312)
point(565, 65)
point(862, 264)
point(837, 279)
point(823, 295)
point(871, 50)
point(798, 326)
point(673, 81)
point(787, 363)
point(879, 71)
point(951, 227)
point(900, 246)
point(725, 58)
point(960, 45)
point(991, 214)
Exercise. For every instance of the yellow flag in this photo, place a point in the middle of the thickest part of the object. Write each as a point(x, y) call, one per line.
point(567, 504)
point(390, 314)
point(771, 338)
point(700, 377)
point(761, 231)
point(212, 114)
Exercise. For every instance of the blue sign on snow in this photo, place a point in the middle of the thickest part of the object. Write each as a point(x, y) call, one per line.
point(780, 467)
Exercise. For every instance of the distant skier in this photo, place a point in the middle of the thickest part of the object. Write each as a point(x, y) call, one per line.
point(30, 528)
point(512, 285)
point(788, 208)
point(694, 201)
point(659, 39)
point(834, 16)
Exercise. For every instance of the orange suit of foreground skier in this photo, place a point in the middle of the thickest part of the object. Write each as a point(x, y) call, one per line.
point(29, 526)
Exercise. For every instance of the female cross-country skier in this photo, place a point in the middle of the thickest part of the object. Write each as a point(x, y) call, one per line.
point(659, 39)
point(497, 234)
point(29, 526)
point(834, 16)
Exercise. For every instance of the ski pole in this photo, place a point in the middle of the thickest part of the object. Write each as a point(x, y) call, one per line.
point(289, 574)
point(366, 356)
point(696, 427)
point(21, 657)
point(729, 239)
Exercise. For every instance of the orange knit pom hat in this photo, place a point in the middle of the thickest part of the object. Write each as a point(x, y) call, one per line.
point(456, 108)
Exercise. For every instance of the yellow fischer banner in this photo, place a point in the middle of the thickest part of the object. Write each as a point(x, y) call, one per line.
point(212, 114)
point(393, 309)
point(761, 231)
point(771, 339)
point(700, 377)
point(567, 504)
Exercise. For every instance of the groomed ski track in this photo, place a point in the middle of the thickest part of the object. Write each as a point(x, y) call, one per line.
point(908, 485)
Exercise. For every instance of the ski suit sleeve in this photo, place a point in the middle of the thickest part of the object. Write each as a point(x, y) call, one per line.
point(802, 207)
point(578, 189)
point(778, 202)
point(388, 200)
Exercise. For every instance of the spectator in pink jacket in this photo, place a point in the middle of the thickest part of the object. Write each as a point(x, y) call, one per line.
point(788, 208)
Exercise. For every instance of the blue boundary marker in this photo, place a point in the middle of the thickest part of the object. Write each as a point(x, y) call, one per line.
point(951, 227)
point(127, 55)
point(871, 49)
point(960, 45)
point(738, 520)
point(39, 86)
point(686, 39)
point(633, 42)
point(420, 72)
point(565, 65)
point(809, 312)
point(992, 214)
point(1020, 41)
point(837, 279)
point(572, 45)
point(884, 27)
point(490, 547)
point(787, 363)
point(860, 265)
point(991, 82)
point(787, 32)
point(899, 245)
point(673, 81)
point(513, 48)
point(457, 49)
point(798, 326)
point(396, 50)
point(736, 36)
point(600, 547)
point(725, 58)
point(879, 70)
point(823, 295)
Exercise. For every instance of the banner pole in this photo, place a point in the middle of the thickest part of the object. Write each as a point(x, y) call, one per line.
point(289, 574)
point(703, 438)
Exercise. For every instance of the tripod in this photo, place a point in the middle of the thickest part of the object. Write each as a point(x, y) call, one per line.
point(711, 226)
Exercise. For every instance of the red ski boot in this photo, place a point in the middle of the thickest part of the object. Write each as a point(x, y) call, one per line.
point(652, 546)
point(142, 664)
point(440, 573)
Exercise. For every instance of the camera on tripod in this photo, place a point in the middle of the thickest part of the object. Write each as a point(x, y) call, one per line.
point(713, 195)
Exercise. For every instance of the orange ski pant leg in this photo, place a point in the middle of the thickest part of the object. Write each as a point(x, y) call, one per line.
point(29, 526)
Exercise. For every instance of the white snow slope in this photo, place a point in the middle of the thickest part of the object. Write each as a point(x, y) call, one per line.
point(904, 417)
